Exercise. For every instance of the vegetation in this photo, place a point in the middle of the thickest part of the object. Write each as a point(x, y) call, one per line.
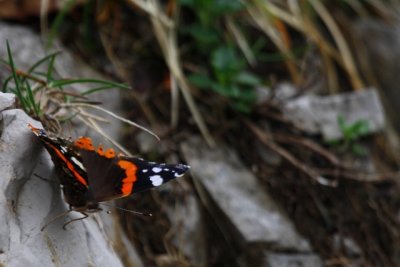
point(45, 97)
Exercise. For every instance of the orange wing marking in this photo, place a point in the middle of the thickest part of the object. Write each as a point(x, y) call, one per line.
point(130, 178)
point(110, 153)
point(69, 165)
point(84, 143)
point(100, 150)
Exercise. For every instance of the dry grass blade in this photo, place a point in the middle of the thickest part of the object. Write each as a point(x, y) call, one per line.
point(44, 10)
point(362, 177)
point(240, 40)
point(306, 24)
point(331, 73)
point(175, 102)
point(357, 7)
point(266, 23)
point(164, 29)
point(344, 49)
point(90, 122)
point(299, 21)
point(315, 147)
point(266, 140)
point(92, 116)
point(80, 105)
point(385, 8)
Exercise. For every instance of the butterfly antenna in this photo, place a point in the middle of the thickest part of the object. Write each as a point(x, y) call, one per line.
point(147, 214)
point(58, 216)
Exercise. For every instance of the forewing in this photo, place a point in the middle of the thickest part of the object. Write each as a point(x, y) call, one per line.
point(63, 157)
point(150, 174)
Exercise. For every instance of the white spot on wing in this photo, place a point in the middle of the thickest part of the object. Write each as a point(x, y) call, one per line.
point(145, 170)
point(156, 180)
point(77, 163)
point(156, 169)
point(177, 174)
point(63, 149)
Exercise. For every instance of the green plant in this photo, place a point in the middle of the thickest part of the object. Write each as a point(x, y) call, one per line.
point(227, 73)
point(351, 134)
point(353, 131)
point(229, 78)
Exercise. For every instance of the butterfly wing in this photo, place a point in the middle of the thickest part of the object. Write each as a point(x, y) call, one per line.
point(64, 158)
point(111, 176)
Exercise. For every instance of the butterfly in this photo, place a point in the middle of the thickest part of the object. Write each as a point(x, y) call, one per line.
point(90, 175)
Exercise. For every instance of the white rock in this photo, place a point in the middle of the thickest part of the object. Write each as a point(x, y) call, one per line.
point(7, 100)
point(245, 213)
point(290, 260)
point(320, 114)
point(186, 221)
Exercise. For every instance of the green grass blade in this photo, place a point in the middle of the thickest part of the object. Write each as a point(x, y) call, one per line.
point(43, 60)
point(58, 20)
point(18, 91)
point(25, 105)
point(13, 69)
point(31, 100)
point(42, 74)
point(64, 82)
point(97, 89)
point(50, 68)
point(5, 84)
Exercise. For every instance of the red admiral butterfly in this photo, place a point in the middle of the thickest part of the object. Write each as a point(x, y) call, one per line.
point(91, 175)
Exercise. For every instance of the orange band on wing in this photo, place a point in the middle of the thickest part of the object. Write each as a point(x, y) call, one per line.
point(69, 165)
point(84, 143)
point(130, 178)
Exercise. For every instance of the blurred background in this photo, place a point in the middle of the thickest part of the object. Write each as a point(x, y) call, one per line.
point(286, 111)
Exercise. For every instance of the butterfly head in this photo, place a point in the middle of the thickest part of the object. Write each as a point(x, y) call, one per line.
point(37, 131)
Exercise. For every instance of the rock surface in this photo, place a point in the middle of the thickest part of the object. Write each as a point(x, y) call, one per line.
point(249, 219)
point(6, 100)
point(319, 115)
point(186, 222)
point(291, 260)
point(28, 202)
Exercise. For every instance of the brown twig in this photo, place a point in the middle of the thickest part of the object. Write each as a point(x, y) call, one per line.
point(266, 139)
point(27, 75)
point(362, 177)
point(284, 138)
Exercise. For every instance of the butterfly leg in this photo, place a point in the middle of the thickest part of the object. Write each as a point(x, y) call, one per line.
point(55, 218)
point(45, 179)
point(74, 220)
